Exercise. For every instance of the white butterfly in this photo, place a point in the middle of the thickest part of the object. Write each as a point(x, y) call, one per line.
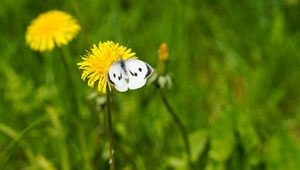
point(129, 74)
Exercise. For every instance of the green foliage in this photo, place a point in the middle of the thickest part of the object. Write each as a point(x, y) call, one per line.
point(235, 68)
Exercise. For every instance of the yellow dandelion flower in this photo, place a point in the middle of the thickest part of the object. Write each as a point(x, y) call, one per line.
point(50, 29)
point(96, 63)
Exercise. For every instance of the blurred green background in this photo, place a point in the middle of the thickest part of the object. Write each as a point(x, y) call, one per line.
point(235, 67)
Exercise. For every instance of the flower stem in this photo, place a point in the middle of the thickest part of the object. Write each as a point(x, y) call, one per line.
point(111, 138)
point(70, 81)
point(179, 125)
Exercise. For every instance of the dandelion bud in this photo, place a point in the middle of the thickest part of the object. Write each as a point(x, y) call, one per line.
point(163, 52)
point(163, 58)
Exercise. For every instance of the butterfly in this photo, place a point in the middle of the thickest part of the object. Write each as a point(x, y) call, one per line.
point(129, 74)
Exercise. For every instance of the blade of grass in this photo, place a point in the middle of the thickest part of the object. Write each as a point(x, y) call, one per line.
point(13, 134)
point(6, 153)
point(61, 137)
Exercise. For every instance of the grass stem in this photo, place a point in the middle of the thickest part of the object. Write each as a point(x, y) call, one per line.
point(7, 151)
point(70, 84)
point(179, 125)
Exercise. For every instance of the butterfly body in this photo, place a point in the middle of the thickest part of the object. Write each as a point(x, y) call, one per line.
point(129, 74)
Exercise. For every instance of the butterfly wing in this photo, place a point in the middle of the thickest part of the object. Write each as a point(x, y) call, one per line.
point(116, 77)
point(138, 72)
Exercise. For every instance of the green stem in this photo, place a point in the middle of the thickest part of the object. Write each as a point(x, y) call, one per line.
point(71, 88)
point(6, 153)
point(111, 138)
point(179, 125)
point(127, 156)
point(13, 134)
point(74, 107)
point(85, 152)
point(61, 138)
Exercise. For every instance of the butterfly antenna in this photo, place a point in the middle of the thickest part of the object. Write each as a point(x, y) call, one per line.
point(128, 43)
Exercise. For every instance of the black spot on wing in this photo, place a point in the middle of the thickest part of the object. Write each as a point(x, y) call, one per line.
point(133, 74)
point(109, 80)
point(149, 71)
point(120, 77)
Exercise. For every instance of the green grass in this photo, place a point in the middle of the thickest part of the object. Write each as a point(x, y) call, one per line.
point(235, 68)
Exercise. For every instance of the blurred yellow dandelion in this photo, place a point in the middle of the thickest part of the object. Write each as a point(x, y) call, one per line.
point(50, 29)
point(96, 63)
